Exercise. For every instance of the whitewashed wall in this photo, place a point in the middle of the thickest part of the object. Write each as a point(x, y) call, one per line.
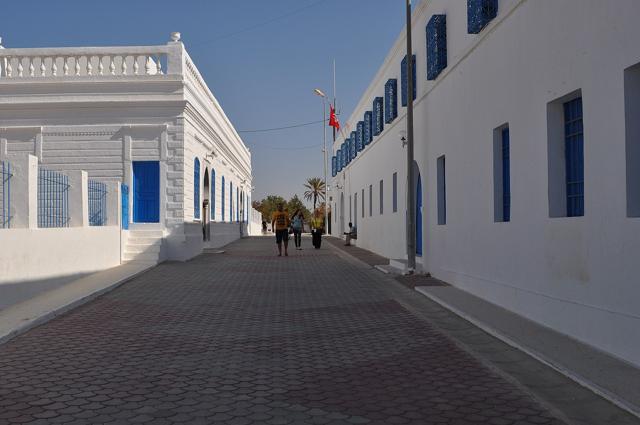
point(576, 275)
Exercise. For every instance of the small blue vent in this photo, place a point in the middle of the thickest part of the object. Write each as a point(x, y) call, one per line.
point(368, 134)
point(360, 136)
point(480, 13)
point(378, 112)
point(390, 100)
point(405, 82)
point(436, 46)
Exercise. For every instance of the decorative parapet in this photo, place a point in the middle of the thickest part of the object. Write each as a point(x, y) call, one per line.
point(73, 62)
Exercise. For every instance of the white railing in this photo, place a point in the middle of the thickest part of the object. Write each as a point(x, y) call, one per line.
point(88, 61)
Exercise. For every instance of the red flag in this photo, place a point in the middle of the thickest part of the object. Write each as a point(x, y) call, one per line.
point(333, 120)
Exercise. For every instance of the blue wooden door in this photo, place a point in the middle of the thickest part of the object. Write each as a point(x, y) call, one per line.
point(419, 216)
point(146, 191)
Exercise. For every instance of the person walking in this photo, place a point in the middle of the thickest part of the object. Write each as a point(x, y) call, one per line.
point(297, 223)
point(280, 225)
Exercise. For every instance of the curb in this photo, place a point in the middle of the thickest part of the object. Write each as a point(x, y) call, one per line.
point(29, 324)
point(591, 386)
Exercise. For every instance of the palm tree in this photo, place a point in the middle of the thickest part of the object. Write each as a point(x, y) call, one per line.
point(315, 190)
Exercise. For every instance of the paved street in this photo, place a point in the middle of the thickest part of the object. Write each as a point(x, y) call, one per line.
point(247, 337)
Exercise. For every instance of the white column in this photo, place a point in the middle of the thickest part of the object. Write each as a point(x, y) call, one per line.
point(78, 199)
point(114, 203)
point(24, 192)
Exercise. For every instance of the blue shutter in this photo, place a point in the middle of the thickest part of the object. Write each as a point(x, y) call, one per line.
point(344, 154)
point(506, 176)
point(222, 201)
point(405, 82)
point(360, 136)
point(480, 13)
point(378, 112)
point(354, 149)
point(333, 166)
point(368, 134)
point(574, 157)
point(390, 100)
point(196, 188)
point(436, 46)
point(339, 159)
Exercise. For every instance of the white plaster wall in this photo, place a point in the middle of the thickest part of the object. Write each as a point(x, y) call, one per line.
point(576, 275)
point(31, 254)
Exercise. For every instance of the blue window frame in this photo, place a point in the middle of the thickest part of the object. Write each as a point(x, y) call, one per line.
point(333, 166)
point(574, 157)
point(368, 124)
point(480, 13)
point(442, 191)
point(394, 198)
point(360, 136)
point(339, 160)
point(506, 176)
point(405, 82)
point(222, 200)
point(344, 155)
point(378, 116)
point(196, 188)
point(390, 100)
point(213, 194)
point(436, 46)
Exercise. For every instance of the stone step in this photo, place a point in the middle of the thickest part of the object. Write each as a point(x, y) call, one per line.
point(146, 233)
point(138, 256)
point(143, 240)
point(142, 248)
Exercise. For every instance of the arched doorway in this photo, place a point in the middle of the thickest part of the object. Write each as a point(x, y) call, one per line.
point(419, 215)
point(341, 227)
point(206, 231)
point(417, 191)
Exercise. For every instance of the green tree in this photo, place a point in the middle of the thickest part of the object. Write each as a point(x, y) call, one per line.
point(315, 190)
point(268, 205)
point(296, 204)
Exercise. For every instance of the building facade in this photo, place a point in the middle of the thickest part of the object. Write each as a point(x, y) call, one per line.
point(140, 115)
point(527, 160)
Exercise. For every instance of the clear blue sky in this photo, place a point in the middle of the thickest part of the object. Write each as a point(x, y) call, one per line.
point(263, 73)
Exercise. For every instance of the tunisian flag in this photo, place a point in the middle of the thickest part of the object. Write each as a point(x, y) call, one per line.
point(333, 120)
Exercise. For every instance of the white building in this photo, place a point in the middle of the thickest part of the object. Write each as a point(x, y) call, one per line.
point(527, 151)
point(143, 116)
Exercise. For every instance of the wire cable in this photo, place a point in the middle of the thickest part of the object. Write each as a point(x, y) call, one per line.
point(263, 130)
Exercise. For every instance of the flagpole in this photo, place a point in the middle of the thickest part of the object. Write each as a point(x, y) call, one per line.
point(333, 128)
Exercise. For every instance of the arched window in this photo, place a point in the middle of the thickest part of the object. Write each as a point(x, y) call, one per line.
point(196, 188)
point(230, 201)
point(213, 194)
point(237, 204)
point(222, 199)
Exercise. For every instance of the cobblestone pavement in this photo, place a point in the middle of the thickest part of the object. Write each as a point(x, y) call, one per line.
point(246, 337)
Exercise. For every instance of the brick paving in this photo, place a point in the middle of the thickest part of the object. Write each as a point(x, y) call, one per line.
point(250, 338)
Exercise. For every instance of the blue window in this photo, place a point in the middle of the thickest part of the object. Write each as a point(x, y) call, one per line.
point(222, 200)
point(378, 116)
point(405, 82)
point(368, 134)
point(360, 136)
point(339, 160)
point(480, 13)
point(196, 188)
point(390, 100)
point(344, 154)
point(237, 204)
point(506, 176)
point(436, 46)
point(230, 200)
point(574, 157)
point(333, 166)
point(214, 201)
point(394, 199)
point(442, 191)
